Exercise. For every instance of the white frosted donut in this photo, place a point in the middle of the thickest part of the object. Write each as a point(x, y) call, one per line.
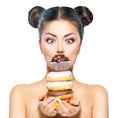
point(59, 76)
point(54, 86)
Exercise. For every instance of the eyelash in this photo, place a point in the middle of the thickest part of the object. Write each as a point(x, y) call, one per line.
point(50, 40)
point(70, 39)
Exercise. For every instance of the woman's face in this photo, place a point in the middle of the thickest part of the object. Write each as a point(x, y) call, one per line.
point(60, 37)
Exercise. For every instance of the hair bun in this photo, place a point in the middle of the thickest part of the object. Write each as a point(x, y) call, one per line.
point(85, 14)
point(33, 15)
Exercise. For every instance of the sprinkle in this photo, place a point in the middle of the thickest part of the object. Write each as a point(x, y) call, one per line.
point(63, 102)
point(58, 97)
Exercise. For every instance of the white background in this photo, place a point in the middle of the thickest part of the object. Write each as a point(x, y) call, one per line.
point(22, 62)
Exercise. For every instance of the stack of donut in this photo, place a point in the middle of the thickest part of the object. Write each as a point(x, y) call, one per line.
point(59, 83)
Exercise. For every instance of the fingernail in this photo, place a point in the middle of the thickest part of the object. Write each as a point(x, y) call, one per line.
point(72, 101)
point(59, 100)
point(57, 105)
point(51, 98)
point(68, 100)
point(55, 112)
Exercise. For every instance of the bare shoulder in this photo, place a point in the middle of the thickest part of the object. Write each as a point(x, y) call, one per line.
point(16, 102)
point(99, 91)
point(18, 90)
point(100, 104)
point(23, 91)
point(94, 90)
point(17, 95)
point(97, 98)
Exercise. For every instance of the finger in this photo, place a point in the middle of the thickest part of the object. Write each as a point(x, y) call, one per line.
point(62, 109)
point(74, 109)
point(51, 105)
point(52, 111)
point(66, 109)
point(48, 109)
point(47, 101)
point(71, 105)
point(73, 102)
point(58, 106)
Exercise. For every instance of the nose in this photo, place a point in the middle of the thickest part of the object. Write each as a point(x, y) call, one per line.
point(60, 48)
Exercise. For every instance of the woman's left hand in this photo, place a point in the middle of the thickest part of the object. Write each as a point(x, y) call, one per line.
point(68, 109)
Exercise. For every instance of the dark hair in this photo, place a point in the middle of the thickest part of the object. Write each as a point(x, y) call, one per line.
point(80, 16)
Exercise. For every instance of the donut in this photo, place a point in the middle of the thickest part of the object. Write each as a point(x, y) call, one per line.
point(55, 86)
point(59, 93)
point(63, 94)
point(59, 76)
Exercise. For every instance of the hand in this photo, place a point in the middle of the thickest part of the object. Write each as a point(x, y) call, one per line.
point(47, 106)
point(70, 109)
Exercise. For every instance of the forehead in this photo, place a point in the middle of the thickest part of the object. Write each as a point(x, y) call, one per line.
point(60, 27)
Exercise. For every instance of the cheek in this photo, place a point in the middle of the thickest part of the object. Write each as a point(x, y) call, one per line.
point(48, 51)
point(72, 51)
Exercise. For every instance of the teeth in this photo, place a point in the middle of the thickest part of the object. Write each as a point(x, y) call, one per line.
point(61, 66)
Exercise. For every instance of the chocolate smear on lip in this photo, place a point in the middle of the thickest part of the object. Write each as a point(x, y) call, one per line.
point(60, 58)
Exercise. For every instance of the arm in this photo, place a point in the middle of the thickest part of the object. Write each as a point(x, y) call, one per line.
point(16, 104)
point(100, 108)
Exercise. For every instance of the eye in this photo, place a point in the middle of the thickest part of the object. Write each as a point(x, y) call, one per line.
point(50, 40)
point(70, 40)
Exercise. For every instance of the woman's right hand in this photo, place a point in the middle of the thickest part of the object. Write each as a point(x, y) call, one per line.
point(47, 106)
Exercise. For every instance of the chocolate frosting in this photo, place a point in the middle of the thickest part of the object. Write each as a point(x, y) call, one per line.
point(57, 93)
point(59, 58)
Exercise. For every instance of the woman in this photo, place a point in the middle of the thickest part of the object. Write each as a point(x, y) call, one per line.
point(60, 33)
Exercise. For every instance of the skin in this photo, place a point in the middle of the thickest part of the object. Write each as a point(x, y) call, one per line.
point(30, 101)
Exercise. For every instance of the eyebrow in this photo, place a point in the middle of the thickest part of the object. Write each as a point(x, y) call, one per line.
point(69, 34)
point(64, 35)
